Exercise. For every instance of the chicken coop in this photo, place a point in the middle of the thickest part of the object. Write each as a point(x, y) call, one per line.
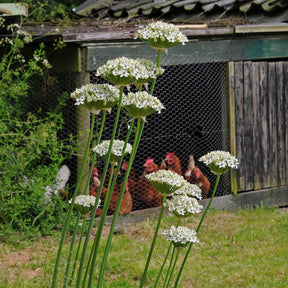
point(226, 89)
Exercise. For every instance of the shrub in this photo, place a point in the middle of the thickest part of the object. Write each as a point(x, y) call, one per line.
point(30, 150)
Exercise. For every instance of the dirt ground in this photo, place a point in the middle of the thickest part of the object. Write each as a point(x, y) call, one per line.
point(13, 262)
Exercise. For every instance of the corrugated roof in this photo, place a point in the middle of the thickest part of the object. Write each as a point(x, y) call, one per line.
point(111, 8)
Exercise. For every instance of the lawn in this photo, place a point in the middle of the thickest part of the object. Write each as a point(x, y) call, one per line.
point(247, 248)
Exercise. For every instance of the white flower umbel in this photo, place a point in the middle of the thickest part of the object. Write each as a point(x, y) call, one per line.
point(141, 105)
point(182, 206)
point(190, 190)
point(161, 36)
point(165, 181)
point(124, 71)
point(96, 97)
point(84, 204)
point(117, 148)
point(180, 236)
point(152, 70)
point(219, 161)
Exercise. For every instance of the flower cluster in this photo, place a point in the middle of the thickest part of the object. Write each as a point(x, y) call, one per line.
point(165, 181)
point(182, 206)
point(96, 97)
point(124, 71)
point(152, 69)
point(160, 35)
point(141, 104)
point(117, 150)
point(180, 236)
point(190, 190)
point(219, 161)
point(84, 204)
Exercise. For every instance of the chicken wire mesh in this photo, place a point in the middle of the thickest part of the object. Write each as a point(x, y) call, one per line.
point(194, 122)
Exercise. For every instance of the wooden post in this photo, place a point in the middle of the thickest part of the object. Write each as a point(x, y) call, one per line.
point(83, 118)
point(232, 126)
point(74, 59)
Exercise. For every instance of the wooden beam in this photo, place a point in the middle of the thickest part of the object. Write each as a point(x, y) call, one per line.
point(192, 52)
point(273, 197)
point(261, 28)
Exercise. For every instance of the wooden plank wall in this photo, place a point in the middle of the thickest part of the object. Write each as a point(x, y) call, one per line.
point(260, 90)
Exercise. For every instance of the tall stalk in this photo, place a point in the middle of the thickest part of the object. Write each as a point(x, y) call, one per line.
point(159, 54)
point(197, 230)
point(100, 225)
point(71, 250)
point(68, 217)
point(138, 134)
point(84, 251)
point(85, 191)
point(153, 243)
point(165, 259)
point(78, 250)
point(169, 267)
point(173, 268)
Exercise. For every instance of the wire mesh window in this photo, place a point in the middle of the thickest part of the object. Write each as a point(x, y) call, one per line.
point(194, 122)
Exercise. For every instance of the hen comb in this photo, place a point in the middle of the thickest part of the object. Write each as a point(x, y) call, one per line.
point(169, 155)
point(197, 171)
point(124, 165)
point(148, 161)
point(94, 171)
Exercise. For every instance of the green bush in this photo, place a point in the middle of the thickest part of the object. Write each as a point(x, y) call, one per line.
point(50, 9)
point(30, 150)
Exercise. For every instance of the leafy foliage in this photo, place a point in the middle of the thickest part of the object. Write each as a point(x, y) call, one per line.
point(30, 150)
point(50, 9)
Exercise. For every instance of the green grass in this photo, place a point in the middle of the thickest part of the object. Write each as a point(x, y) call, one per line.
point(243, 249)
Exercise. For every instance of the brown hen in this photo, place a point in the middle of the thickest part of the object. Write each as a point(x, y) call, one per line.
point(195, 176)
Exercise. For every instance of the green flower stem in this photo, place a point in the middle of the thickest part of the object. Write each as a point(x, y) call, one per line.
point(173, 268)
point(159, 53)
point(138, 134)
point(165, 259)
point(162, 267)
point(153, 243)
point(68, 217)
point(71, 249)
point(86, 190)
point(96, 243)
point(169, 268)
point(84, 251)
point(197, 230)
point(78, 250)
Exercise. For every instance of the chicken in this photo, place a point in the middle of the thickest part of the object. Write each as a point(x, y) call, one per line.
point(195, 176)
point(146, 196)
point(95, 184)
point(173, 163)
point(126, 204)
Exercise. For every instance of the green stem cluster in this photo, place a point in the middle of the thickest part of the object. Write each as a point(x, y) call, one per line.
point(93, 213)
point(69, 214)
point(105, 209)
point(197, 230)
point(165, 259)
point(143, 279)
point(138, 134)
point(91, 265)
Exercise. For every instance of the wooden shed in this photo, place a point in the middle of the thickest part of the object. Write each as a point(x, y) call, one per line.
point(231, 76)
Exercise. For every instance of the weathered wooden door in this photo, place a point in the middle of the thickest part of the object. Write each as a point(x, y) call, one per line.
point(260, 91)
